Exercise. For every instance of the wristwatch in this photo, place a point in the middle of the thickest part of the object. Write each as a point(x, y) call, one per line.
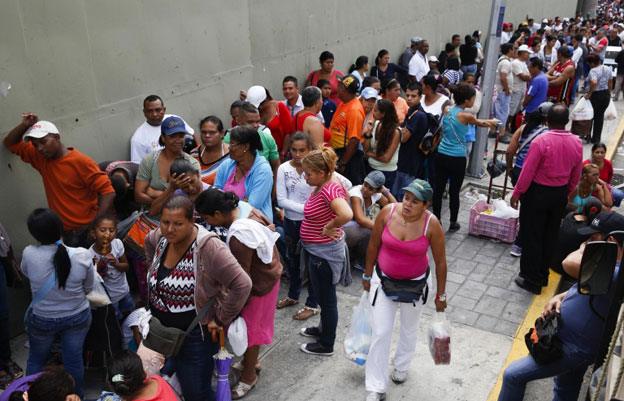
point(441, 297)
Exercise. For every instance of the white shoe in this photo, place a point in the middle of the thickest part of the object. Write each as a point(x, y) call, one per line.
point(373, 396)
point(398, 376)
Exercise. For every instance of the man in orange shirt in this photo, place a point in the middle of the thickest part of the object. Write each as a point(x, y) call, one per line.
point(346, 131)
point(75, 186)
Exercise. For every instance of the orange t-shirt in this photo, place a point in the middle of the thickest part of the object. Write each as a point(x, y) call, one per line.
point(72, 183)
point(401, 108)
point(348, 118)
point(164, 393)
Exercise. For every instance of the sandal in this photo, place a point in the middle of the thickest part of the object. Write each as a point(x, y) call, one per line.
point(305, 313)
point(242, 389)
point(286, 302)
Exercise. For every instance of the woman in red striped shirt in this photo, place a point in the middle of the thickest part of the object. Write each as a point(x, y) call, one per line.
point(324, 247)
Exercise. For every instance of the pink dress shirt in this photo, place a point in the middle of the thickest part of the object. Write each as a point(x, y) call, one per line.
point(555, 159)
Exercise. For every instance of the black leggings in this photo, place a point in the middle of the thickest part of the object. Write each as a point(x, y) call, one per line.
point(599, 101)
point(453, 169)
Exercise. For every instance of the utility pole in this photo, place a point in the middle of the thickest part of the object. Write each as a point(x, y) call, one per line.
point(475, 166)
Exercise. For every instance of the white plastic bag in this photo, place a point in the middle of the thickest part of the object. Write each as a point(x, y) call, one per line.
point(358, 339)
point(582, 111)
point(503, 210)
point(98, 296)
point(611, 112)
point(237, 336)
point(440, 339)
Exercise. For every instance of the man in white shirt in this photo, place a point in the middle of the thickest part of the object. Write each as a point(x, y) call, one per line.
point(418, 65)
point(506, 32)
point(619, 27)
point(504, 83)
point(521, 76)
point(292, 97)
point(146, 137)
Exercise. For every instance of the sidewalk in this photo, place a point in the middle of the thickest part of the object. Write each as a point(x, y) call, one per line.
point(485, 307)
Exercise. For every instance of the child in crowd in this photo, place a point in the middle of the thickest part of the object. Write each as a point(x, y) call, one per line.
point(130, 331)
point(109, 258)
point(54, 384)
point(128, 380)
point(329, 107)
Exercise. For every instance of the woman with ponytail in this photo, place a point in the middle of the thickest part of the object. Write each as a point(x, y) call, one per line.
point(128, 380)
point(60, 277)
point(359, 68)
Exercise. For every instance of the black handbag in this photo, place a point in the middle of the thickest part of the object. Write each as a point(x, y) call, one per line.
point(168, 340)
point(543, 341)
point(404, 291)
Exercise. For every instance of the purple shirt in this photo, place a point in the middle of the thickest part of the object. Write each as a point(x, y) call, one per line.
point(555, 159)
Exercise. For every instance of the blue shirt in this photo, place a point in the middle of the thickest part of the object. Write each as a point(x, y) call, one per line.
point(524, 149)
point(328, 110)
point(538, 89)
point(453, 141)
point(580, 327)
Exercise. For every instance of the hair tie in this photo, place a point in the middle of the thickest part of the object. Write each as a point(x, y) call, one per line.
point(58, 242)
point(118, 378)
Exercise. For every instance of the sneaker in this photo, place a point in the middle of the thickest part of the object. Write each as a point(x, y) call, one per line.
point(515, 251)
point(310, 332)
point(454, 227)
point(398, 376)
point(373, 396)
point(316, 349)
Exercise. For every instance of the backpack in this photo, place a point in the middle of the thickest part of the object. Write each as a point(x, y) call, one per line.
point(431, 139)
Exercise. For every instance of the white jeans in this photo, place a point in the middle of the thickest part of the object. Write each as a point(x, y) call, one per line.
point(384, 312)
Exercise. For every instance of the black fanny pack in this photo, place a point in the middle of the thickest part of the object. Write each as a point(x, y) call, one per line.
point(405, 291)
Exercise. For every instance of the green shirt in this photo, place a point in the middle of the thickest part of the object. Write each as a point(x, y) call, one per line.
point(148, 170)
point(269, 147)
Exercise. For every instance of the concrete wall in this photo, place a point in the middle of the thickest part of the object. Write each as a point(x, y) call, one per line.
point(86, 65)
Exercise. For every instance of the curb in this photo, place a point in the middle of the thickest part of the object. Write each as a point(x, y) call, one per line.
point(518, 347)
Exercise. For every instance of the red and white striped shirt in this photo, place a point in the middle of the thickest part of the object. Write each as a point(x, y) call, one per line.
point(317, 212)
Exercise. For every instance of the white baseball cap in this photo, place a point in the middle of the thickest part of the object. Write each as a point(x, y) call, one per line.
point(41, 129)
point(433, 59)
point(256, 95)
point(524, 48)
point(369, 93)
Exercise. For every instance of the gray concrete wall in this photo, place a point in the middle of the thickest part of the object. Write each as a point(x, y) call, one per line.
point(86, 65)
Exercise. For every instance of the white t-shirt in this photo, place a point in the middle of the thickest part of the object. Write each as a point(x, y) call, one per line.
point(131, 321)
point(519, 67)
point(418, 66)
point(356, 192)
point(434, 108)
point(145, 139)
point(376, 164)
point(292, 191)
point(115, 281)
point(504, 65)
point(505, 37)
point(576, 55)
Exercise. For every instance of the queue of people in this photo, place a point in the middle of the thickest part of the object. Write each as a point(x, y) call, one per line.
point(340, 174)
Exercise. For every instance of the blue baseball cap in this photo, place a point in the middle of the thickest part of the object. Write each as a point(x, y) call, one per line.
point(173, 125)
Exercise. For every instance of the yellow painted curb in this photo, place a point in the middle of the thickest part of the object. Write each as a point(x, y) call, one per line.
point(518, 347)
point(614, 140)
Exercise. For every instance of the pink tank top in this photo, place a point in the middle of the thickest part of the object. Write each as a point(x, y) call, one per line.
point(231, 185)
point(403, 260)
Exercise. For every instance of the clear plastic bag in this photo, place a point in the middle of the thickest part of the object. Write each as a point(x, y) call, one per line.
point(358, 339)
point(237, 336)
point(582, 111)
point(440, 339)
point(98, 296)
point(611, 111)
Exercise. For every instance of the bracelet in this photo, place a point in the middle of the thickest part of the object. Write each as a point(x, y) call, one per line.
point(366, 277)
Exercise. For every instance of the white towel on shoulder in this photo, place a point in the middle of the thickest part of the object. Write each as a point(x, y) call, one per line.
point(255, 236)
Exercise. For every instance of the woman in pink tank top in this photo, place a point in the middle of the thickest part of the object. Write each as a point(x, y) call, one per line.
point(401, 237)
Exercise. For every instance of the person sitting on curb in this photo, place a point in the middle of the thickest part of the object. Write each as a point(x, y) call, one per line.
point(581, 329)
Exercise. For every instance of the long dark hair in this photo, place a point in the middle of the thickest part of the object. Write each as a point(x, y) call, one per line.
point(214, 200)
point(125, 374)
point(533, 120)
point(389, 123)
point(380, 54)
point(359, 63)
point(47, 228)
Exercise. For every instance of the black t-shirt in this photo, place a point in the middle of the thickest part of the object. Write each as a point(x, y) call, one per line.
point(568, 240)
point(468, 54)
point(410, 157)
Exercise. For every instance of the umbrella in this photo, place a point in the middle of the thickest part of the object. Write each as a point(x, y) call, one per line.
point(223, 362)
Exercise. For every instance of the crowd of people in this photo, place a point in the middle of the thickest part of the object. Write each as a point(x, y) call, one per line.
point(339, 175)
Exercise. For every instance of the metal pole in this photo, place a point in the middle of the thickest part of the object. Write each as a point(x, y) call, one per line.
point(475, 167)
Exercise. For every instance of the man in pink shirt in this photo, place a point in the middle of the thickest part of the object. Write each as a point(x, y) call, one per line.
point(551, 170)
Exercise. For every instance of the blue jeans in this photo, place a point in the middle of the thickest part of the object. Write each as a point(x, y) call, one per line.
point(123, 306)
point(617, 195)
point(5, 346)
point(291, 231)
point(401, 181)
point(567, 371)
point(194, 365)
point(322, 279)
point(472, 68)
point(72, 331)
